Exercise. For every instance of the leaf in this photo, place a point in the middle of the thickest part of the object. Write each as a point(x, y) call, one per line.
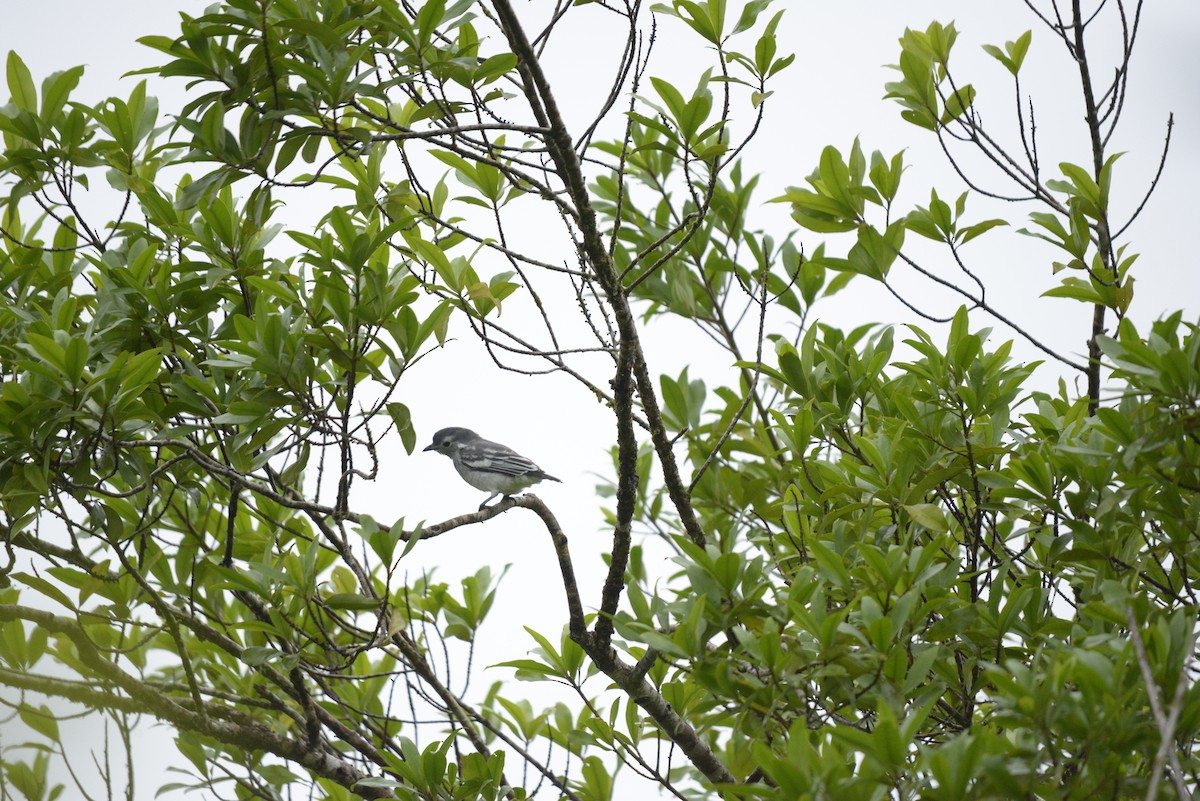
point(56, 89)
point(1075, 289)
point(20, 84)
point(1000, 56)
point(190, 194)
point(1013, 54)
point(928, 515)
point(885, 177)
point(1124, 295)
point(830, 565)
point(757, 98)
point(378, 783)
point(1018, 49)
point(958, 103)
point(40, 719)
point(494, 67)
point(528, 669)
point(1085, 186)
point(750, 15)
point(44, 587)
point(972, 231)
point(402, 417)
point(258, 655)
point(707, 20)
point(672, 97)
point(352, 601)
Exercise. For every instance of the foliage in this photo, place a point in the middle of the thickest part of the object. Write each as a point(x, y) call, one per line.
point(898, 569)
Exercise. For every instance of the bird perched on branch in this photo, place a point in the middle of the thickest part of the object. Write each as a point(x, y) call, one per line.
point(486, 465)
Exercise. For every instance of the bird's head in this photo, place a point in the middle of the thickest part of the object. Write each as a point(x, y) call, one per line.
point(449, 440)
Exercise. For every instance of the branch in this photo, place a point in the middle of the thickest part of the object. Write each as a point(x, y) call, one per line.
point(141, 698)
point(446, 526)
point(750, 390)
point(1102, 228)
point(1166, 724)
point(630, 678)
point(566, 162)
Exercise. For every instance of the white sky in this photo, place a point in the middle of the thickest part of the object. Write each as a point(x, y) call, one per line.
point(832, 93)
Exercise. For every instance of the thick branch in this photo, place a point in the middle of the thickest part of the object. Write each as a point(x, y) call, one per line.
point(1102, 232)
point(140, 697)
point(627, 488)
point(631, 679)
point(567, 165)
point(644, 694)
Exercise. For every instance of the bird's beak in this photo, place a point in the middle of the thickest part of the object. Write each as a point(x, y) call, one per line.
point(427, 448)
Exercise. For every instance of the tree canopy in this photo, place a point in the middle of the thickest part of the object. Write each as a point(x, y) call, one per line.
point(898, 566)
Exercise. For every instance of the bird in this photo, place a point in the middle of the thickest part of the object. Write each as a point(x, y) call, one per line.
point(486, 465)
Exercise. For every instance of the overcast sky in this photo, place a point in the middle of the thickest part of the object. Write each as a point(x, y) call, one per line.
point(831, 94)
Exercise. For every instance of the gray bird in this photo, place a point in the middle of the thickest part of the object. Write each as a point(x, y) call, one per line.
point(485, 465)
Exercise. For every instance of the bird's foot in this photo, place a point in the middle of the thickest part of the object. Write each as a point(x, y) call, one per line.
point(504, 498)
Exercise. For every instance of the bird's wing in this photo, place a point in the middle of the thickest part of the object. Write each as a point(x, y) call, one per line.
point(496, 458)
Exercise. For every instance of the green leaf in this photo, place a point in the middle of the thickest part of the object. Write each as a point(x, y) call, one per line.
point(56, 89)
point(494, 67)
point(44, 587)
point(20, 84)
point(708, 19)
point(885, 177)
point(1000, 56)
point(750, 14)
point(958, 103)
point(352, 601)
point(40, 719)
point(402, 417)
point(1013, 54)
point(972, 231)
point(1076, 289)
point(1020, 47)
point(1084, 185)
point(928, 515)
point(831, 565)
point(672, 97)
